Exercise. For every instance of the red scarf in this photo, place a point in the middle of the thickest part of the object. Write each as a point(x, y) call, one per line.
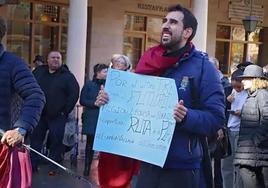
point(153, 62)
point(116, 171)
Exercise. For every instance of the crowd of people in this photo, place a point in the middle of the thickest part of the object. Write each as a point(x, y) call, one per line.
point(217, 122)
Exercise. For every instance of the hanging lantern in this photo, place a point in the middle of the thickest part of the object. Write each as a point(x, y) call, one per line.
point(250, 23)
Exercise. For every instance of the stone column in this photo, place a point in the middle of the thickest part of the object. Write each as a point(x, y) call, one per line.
point(77, 35)
point(200, 10)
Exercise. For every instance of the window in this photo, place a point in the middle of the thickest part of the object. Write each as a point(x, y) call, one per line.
point(133, 48)
point(45, 38)
point(18, 42)
point(140, 33)
point(36, 28)
point(230, 46)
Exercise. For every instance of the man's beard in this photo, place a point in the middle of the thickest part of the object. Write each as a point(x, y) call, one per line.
point(172, 44)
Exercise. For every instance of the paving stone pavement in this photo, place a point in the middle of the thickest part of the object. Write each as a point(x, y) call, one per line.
point(41, 179)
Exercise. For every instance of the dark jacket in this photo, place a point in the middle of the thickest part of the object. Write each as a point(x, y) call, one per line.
point(91, 112)
point(185, 150)
point(252, 147)
point(16, 78)
point(227, 91)
point(219, 148)
point(61, 90)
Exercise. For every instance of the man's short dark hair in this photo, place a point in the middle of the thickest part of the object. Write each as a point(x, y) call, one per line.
point(3, 28)
point(189, 20)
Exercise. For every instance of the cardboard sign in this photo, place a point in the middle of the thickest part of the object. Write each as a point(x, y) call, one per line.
point(138, 120)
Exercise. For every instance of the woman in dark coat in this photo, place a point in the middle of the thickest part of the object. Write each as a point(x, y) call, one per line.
point(252, 152)
point(91, 111)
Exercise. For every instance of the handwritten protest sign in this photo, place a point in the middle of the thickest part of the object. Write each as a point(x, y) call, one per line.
point(138, 120)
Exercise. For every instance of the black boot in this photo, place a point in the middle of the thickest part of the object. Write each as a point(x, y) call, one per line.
point(88, 154)
point(87, 163)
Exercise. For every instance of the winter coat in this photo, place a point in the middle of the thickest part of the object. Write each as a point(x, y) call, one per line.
point(252, 147)
point(185, 150)
point(16, 78)
point(91, 112)
point(61, 90)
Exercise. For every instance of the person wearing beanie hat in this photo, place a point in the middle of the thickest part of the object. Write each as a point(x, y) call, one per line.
point(237, 99)
point(251, 156)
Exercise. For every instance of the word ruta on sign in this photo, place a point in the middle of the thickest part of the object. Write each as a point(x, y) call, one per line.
point(158, 8)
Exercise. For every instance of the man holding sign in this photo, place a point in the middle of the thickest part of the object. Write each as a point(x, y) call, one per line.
point(200, 110)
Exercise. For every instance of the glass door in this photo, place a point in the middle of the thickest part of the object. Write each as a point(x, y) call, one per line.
point(133, 47)
point(45, 38)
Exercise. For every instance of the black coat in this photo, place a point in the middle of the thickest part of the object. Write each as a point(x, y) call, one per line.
point(252, 147)
point(91, 112)
point(61, 90)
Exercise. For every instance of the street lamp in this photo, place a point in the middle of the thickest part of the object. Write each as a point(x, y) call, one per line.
point(250, 23)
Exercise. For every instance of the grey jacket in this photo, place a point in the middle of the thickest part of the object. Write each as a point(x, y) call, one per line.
point(252, 147)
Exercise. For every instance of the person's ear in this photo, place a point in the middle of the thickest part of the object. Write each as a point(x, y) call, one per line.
point(187, 32)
